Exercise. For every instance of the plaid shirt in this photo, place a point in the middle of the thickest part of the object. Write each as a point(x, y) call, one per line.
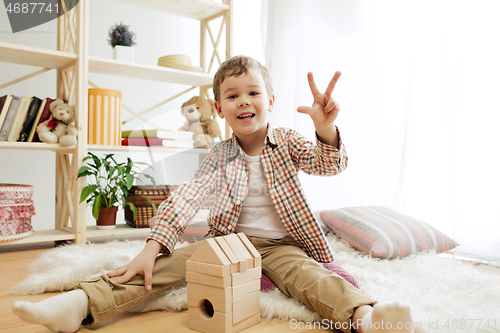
point(224, 172)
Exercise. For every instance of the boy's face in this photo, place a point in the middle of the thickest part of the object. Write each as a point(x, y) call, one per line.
point(244, 103)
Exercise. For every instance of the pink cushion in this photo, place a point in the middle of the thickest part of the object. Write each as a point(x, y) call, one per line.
point(384, 233)
point(266, 284)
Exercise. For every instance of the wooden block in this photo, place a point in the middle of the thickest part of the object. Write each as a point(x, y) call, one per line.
point(210, 252)
point(229, 253)
point(241, 252)
point(209, 269)
point(251, 249)
point(246, 323)
point(246, 306)
point(246, 288)
point(241, 278)
point(220, 298)
point(227, 249)
point(257, 262)
point(207, 280)
point(199, 320)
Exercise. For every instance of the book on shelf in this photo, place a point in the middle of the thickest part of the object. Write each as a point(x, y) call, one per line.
point(157, 133)
point(42, 115)
point(9, 119)
point(17, 125)
point(157, 142)
point(30, 119)
point(4, 107)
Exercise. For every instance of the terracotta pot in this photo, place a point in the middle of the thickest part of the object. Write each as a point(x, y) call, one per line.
point(107, 218)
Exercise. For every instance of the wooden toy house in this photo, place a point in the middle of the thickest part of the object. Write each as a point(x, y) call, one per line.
point(223, 285)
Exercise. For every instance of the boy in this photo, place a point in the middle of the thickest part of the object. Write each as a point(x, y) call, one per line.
point(255, 177)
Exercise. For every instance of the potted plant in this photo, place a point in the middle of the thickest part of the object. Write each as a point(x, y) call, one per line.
point(122, 40)
point(111, 182)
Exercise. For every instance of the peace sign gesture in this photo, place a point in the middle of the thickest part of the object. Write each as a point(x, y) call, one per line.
point(324, 110)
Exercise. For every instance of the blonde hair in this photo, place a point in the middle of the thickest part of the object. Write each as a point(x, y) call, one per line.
point(236, 66)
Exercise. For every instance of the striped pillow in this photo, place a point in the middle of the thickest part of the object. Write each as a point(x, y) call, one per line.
point(385, 233)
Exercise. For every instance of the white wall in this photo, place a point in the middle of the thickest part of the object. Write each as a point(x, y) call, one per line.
point(158, 34)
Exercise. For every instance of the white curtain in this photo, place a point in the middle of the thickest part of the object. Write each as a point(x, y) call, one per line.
point(420, 97)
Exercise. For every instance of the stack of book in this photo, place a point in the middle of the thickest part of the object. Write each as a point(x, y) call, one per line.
point(20, 116)
point(157, 137)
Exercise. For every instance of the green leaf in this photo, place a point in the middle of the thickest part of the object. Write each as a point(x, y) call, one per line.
point(96, 159)
point(83, 171)
point(84, 174)
point(132, 208)
point(155, 209)
point(150, 178)
point(96, 206)
point(87, 190)
point(110, 157)
point(130, 181)
point(143, 163)
point(121, 170)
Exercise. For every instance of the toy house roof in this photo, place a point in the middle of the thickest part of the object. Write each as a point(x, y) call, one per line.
point(231, 250)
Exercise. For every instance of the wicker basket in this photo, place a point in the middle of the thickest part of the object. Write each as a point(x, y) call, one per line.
point(16, 209)
point(144, 210)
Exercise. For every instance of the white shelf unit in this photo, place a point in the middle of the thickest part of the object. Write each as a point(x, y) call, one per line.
point(73, 63)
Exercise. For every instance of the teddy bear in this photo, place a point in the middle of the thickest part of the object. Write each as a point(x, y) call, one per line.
point(200, 114)
point(59, 127)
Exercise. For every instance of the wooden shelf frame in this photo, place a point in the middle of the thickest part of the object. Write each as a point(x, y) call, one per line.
point(35, 146)
point(148, 72)
point(195, 9)
point(73, 63)
point(155, 149)
point(34, 56)
point(205, 11)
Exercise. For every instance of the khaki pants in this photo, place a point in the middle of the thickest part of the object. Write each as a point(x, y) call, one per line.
point(283, 261)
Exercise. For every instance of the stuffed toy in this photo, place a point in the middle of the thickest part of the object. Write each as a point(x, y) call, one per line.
point(200, 114)
point(59, 127)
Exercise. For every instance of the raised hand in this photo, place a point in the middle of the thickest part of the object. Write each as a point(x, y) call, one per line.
point(324, 110)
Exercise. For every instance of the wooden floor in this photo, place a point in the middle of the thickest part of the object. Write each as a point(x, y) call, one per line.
point(14, 267)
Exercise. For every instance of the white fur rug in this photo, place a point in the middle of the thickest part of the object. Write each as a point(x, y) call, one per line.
point(445, 295)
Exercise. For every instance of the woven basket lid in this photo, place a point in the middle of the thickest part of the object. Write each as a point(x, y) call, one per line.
point(175, 59)
point(178, 61)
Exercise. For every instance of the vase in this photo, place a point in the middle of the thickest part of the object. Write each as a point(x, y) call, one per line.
point(124, 53)
point(107, 218)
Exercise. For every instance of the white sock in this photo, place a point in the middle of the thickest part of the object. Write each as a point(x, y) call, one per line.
point(388, 317)
point(61, 313)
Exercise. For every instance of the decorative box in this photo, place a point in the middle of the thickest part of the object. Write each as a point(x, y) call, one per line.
point(104, 117)
point(144, 210)
point(16, 209)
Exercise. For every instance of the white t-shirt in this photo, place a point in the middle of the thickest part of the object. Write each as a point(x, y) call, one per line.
point(258, 215)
